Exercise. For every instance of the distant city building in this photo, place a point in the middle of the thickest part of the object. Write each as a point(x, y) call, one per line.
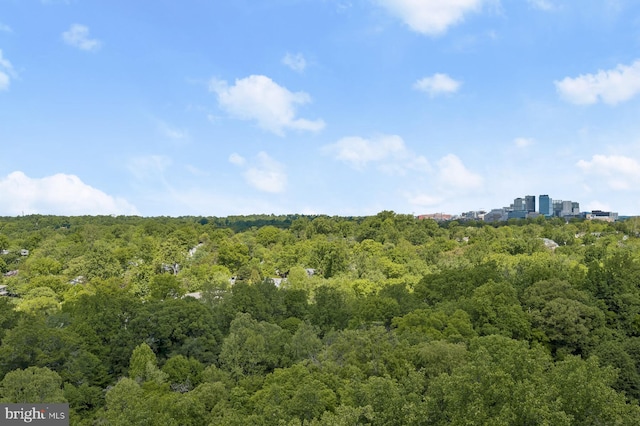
point(436, 216)
point(519, 205)
point(575, 208)
point(517, 214)
point(525, 208)
point(557, 207)
point(565, 208)
point(545, 205)
point(496, 215)
point(473, 215)
point(530, 203)
point(601, 215)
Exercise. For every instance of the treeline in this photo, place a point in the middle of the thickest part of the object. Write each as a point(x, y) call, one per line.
point(317, 320)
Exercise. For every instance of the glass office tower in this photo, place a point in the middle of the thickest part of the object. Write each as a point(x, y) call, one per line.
point(546, 205)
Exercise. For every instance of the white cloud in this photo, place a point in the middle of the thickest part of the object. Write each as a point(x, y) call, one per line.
point(196, 171)
point(5, 64)
point(542, 4)
point(597, 205)
point(295, 62)
point(387, 151)
point(263, 173)
point(343, 6)
point(357, 151)
point(60, 194)
point(172, 132)
point(5, 28)
point(620, 172)
point(150, 167)
point(6, 72)
point(78, 36)
point(453, 174)
point(450, 181)
point(437, 84)
point(259, 98)
point(611, 86)
point(424, 200)
point(523, 142)
point(431, 17)
point(237, 159)
point(4, 81)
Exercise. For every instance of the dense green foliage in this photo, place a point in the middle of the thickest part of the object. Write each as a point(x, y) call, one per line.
point(382, 320)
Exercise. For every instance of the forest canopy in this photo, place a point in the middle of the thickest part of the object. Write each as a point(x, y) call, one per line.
point(318, 320)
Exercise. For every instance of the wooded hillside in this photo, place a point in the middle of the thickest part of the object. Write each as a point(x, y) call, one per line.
point(316, 320)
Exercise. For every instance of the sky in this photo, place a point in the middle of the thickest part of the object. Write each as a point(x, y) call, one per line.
point(337, 107)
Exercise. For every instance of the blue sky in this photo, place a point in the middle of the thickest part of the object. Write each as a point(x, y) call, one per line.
point(339, 107)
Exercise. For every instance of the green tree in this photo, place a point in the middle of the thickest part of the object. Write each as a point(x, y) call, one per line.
point(496, 310)
point(305, 343)
point(100, 262)
point(33, 385)
point(104, 322)
point(382, 394)
point(377, 309)
point(367, 352)
point(40, 300)
point(232, 254)
point(143, 365)
point(330, 257)
point(293, 392)
point(165, 286)
point(330, 310)
point(33, 343)
point(438, 357)
point(434, 324)
point(584, 392)
point(252, 347)
point(84, 400)
point(267, 235)
point(4, 242)
point(124, 404)
point(183, 373)
point(502, 384)
point(562, 316)
point(43, 266)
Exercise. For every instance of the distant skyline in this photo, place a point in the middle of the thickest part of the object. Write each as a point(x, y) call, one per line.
point(338, 107)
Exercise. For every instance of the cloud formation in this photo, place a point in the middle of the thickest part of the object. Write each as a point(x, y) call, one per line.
point(431, 17)
point(437, 84)
point(611, 86)
point(424, 200)
point(541, 4)
point(620, 172)
point(6, 72)
point(450, 180)
point(5, 28)
point(259, 98)
point(263, 173)
point(172, 132)
point(78, 36)
point(60, 194)
point(151, 167)
point(453, 174)
point(387, 151)
point(295, 62)
point(523, 142)
point(237, 159)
